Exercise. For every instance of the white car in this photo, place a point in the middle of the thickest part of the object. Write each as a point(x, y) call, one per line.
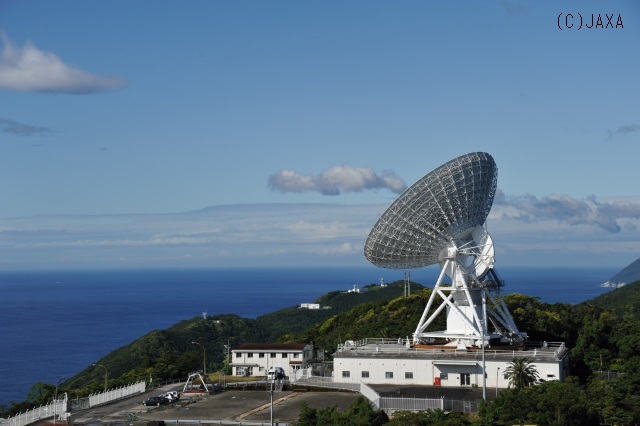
point(171, 396)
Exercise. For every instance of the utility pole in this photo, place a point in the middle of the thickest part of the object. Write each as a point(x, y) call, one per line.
point(106, 373)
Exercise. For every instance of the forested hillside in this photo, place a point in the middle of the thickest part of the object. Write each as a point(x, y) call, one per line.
point(169, 353)
point(623, 300)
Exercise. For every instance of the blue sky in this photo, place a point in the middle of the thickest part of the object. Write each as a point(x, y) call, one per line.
point(119, 120)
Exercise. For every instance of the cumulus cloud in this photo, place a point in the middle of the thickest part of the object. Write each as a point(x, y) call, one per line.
point(565, 209)
point(29, 69)
point(335, 180)
point(13, 127)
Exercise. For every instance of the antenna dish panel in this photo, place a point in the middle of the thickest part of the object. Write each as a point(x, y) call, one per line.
point(445, 207)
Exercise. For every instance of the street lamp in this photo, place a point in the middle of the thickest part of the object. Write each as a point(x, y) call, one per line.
point(497, 372)
point(55, 400)
point(204, 357)
point(227, 348)
point(105, 374)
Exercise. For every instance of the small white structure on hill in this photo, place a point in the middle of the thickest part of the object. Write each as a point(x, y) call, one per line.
point(310, 305)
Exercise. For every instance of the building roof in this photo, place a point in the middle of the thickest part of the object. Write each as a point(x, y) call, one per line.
point(381, 348)
point(270, 346)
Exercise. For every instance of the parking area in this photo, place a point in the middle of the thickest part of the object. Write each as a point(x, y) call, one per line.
point(234, 405)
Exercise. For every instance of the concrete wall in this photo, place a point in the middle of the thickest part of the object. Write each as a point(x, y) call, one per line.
point(420, 371)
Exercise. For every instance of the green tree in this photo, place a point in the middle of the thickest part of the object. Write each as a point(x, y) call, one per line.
point(521, 373)
point(360, 413)
point(427, 418)
point(41, 393)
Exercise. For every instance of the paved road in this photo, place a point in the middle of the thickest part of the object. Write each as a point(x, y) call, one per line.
point(236, 405)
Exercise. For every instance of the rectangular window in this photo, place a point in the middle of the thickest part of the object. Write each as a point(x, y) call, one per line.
point(388, 375)
point(273, 354)
point(296, 356)
point(250, 355)
point(238, 354)
point(444, 376)
point(365, 374)
point(261, 355)
point(284, 355)
point(408, 375)
point(346, 374)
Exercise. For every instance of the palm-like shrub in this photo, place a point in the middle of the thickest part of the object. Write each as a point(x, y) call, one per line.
point(521, 373)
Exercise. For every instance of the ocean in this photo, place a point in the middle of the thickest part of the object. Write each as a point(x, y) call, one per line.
point(53, 324)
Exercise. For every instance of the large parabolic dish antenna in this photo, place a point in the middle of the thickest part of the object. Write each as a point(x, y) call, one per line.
point(445, 205)
point(440, 220)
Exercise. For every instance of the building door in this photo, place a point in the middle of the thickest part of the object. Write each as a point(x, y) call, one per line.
point(465, 379)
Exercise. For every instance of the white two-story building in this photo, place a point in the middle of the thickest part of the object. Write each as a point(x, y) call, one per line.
point(255, 359)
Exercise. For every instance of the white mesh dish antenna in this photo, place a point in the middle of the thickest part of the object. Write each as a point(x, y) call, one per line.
point(439, 219)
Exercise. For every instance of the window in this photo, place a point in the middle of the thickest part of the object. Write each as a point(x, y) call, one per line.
point(444, 376)
point(250, 355)
point(273, 354)
point(284, 355)
point(238, 354)
point(261, 355)
point(408, 375)
point(365, 374)
point(346, 374)
point(388, 375)
point(296, 356)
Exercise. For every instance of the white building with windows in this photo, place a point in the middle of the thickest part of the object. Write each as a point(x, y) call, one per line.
point(255, 359)
point(399, 362)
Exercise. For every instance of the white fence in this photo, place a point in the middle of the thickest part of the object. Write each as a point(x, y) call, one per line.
point(114, 394)
point(390, 404)
point(56, 409)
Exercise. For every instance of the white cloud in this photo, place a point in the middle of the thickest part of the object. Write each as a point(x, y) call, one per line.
point(29, 69)
point(335, 180)
point(20, 129)
point(565, 209)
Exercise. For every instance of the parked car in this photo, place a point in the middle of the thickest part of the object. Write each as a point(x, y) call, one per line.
point(275, 373)
point(172, 396)
point(175, 395)
point(156, 401)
